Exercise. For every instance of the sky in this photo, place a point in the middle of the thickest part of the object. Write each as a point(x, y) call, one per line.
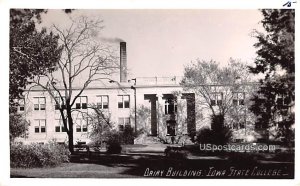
point(162, 42)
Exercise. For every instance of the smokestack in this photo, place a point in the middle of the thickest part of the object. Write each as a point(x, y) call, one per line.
point(123, 62)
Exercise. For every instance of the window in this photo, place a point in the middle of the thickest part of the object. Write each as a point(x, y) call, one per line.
point(282, 100)
point(216, 99)
point(59, 126)
point(123, 101)
point(21, 105)
point(81, 102)
point(170, 106)
point(123, 122)
point(238, 98)
point(81, 125)
point(40, 126)
point(102, 102)
point(238, 125)
point(39, 103)
point(61, 103)
point(171, 127)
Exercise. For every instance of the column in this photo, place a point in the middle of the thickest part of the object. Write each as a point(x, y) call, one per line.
point(160, 105)
point(191, 114)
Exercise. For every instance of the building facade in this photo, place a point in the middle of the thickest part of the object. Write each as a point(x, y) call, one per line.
point(158, 106)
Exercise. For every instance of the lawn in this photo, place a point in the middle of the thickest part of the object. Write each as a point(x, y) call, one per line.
point(150, 161)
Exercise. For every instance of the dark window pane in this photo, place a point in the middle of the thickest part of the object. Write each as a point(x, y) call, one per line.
point(219, 102)
point(56, 107)
point(213, 102)
point(121, 127)
point(242, 102)
point(126, 104)
point(235, 102)
point(36, 129)
point(105, 106)
point(78, 129)
point(99, 106)
point(120, 105)
point(63, 129)
point(286, 101)
point(171, 109)
point(171, 127)
point(84, 129)
point(84, 106)
point(78, 106)
point(166, 109)
point(43, 129)
point(36, 106)
point(57, 129)
point(22, 108)
point(63, 106)
point(242, 125)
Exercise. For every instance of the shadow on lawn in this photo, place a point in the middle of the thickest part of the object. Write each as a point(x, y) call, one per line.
point(140, 166)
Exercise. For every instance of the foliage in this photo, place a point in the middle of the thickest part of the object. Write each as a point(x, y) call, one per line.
point(275, 60)
point(100, 124)
point(206, 78)
point(128, 135)
point(38, 155)
point(32, 52)
point(18, 126)
point(176, 153)
point(218, 134)
point(114, 143)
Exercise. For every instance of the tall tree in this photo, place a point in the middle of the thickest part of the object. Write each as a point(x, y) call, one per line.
point(84, 60)
point(215, 84)
point(274, 101)
point(32, 52)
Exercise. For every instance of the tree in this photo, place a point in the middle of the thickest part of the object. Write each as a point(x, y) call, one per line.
point(18, 126)
point(32, 52)
point(216, 85)
point(274, 101)
point(101, 124)
point(83, 61)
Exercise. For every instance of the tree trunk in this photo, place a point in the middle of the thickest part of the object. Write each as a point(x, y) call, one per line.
point(71, 145)
point(70, 133)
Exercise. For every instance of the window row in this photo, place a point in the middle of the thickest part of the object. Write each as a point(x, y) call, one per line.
point(238, 98)
point(79, 124)
point(102, 102)
point(40, 126)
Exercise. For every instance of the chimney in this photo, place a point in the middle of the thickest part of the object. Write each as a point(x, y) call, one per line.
point(123, 62)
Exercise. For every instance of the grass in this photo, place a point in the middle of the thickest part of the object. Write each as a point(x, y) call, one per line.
point(134, 164)
point(72, 170)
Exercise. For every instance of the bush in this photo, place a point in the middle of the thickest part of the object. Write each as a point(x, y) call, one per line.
point(128, 135)
point(176, 153)
point(218, 134)
point(114, 143)
point(37, 155)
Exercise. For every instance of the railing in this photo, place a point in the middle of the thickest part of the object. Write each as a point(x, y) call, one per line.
point(172, 80)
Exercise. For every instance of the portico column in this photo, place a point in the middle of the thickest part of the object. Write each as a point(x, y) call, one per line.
point(160, 106)
point(181, 127)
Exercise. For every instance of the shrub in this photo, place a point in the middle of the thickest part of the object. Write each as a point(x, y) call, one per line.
point(128, 135)
point(176, 153)
point(114, 143)
point(218, 134)
point(37, 155)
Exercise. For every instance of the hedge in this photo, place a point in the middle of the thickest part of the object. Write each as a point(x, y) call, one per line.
point(38, 155)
